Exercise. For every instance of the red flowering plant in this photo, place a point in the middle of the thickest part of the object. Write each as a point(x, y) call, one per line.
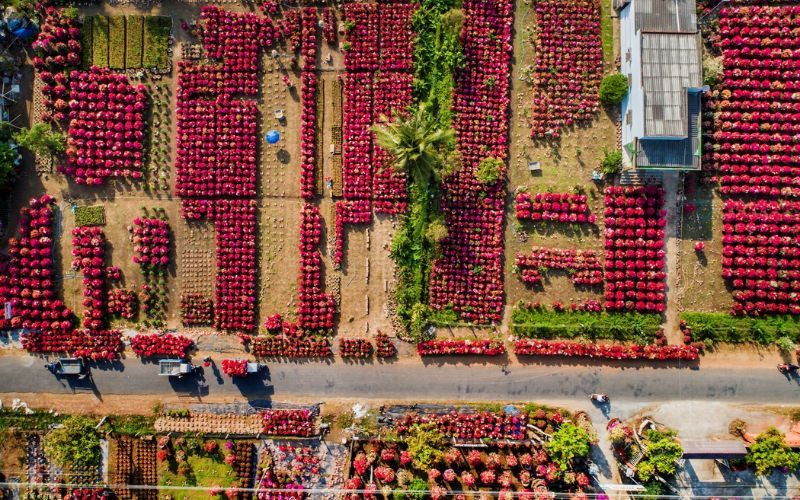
point(482, 347)
point(291, 347)
point(554, 207)
point(234, 367)
point(568, 66)
point(88, 252)
point(384, 347)
point(357, 136)
point(122, 302)
point(471, 427)
point(57, 48)
point(361, 45)
point(355, 348)
point(583, 265)
point(196, 310)
point(151, 240)
point(534, 347)
point(315, 309)
point(168, 345)
point(296, 422)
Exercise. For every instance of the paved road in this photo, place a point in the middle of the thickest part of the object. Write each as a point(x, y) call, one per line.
point(412, 379)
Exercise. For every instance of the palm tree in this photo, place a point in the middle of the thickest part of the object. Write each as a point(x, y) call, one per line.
point(417, 145)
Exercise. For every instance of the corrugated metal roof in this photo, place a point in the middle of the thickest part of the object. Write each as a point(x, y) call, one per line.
point(670, 153)
point(671, 62)
point(673, 16)
point(712, 449)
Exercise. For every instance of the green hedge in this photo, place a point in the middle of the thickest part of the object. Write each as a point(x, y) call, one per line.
point(90, 216)
point(116, 42)
point(544, 323)
point(87, 48)
point(100, 41)
point(133, 41)
point(156, 41)
point(722, 327)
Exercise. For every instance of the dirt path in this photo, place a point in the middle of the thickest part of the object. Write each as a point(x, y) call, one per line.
point(672, 205)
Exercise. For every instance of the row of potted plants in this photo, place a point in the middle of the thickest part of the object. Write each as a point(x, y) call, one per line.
point(355, 348)
point(468, 274)
point(57, 48)
point(349, 212)
point(361, 46)
point(308, 133)
point(396, 38)
point(535, 347)
point(196, 310)
point(470, 426)
point(151, 239)
point(281, 346)
point(634, 248)
point(553, 207)
point(295, 422)
point(315, 309)
point(234, 367)
point(106, 127)
point(480, 347)
point(391, 93)
point(568, 67)
point(168, 345)
point(88, 252)
point(357, 136)
point(583, 266)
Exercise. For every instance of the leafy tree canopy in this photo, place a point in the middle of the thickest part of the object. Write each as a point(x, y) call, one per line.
point(76, 445)
point(569, 443)
point(770, 452)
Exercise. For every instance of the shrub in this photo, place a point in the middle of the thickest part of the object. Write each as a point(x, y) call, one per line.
point(426, 445)
point(786, 345)
point(41, 140)
point(489, 170)
point(770, 452)
point(76, 445)
point(94, 215)
point(612, 162)
point(100, 41)
point(436, 231)
point(662, 453)
point(614, 88)
point(569, 443)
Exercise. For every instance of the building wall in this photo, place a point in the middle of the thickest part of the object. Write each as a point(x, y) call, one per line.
point(629, 40)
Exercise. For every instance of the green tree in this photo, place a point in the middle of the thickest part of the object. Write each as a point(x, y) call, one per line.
point(74, 446)
point(7, 169)
point(662, 453)
point(612, 161)
point(426, 445)
point(41, 140)
point(569, 443)
point(489, 170)
point(614, 88)
point(770, 452)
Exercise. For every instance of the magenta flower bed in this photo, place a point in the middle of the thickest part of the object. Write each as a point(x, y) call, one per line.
point(355, 348)
point(363, 38)
point(146, 346)
point(396, 37)
point(298, 422)
point(534, 347)
point(569, 65)
point(349, 212)
point(308, 133)
point(391, 92)
point(357, 146)
point(88, 252)
point(439, 347)
point(151, 241)
point(106, 127)
point(553, 207)
point(315, 309)
point(584, 264)
point(634, 241)
point(468, 276)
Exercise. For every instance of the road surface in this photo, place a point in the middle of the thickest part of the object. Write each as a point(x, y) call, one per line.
point(430, 380)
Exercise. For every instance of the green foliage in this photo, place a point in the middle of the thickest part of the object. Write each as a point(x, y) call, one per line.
point(37, 421)
point(770, 452)
point(74, 446)
point(133, 425)
point(436, 231)
point(612, 161)
point(712, 70)
point(100, 40)
point(544, 323)
point(426, 444)
point(156, 41)
point(607, 30)
point(786, 345)
point(662, 453)
point(8, 157)
point(489, 170)
point(41, 140)
point(134, 38)
point(94, 215)
point(417, 488)
point(116, 42)
point(569, 443)
point(722, 327)
point(613, 88)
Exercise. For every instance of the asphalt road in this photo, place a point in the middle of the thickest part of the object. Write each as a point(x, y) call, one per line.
point(429, 380)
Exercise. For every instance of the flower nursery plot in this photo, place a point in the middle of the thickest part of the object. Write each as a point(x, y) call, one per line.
point(193, 461)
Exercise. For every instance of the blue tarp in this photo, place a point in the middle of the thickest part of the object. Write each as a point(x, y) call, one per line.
point(25, 33)
point(272, 136)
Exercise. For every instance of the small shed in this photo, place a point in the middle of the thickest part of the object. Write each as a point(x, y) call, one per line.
point(712, 449)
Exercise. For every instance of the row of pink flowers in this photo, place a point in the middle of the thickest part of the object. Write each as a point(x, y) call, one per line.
point(569, 65)
point(122, 302)
point(349, 212)
point(362, 53)
point(151, 241)
point(534, 347)
point(106, 127)
point(169, 345)
point(355, 348)
point(88, 251)
point(468, 275)
point(481, 347)
point(384, 347)
point(282, 346)
point(329, 25)
point(554, 207)
point(308, 133)
point(471, 426)
point(298, 422)
point(56, 48)
point(634, 248)
point(357, 146)
point(315, 309)
point(396, 37)
point(583, 265)
point(391, 92)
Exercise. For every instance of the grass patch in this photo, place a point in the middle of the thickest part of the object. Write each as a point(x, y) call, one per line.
point(116, 42)
point(94, 215)
point(543, 323)
point(607, 31)
point(37, 421)
point(133, 425)
point(87, 47)
point(156, 41)
point(100, 41)
point(722, 327)
point(133, 41)
point(200, 469)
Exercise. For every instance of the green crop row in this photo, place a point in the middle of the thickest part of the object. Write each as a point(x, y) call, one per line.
point(116, 42)
point(100, 41)
point(156, 41)
point(134, 41)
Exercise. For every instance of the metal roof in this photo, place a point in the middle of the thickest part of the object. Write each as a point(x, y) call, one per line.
point(713, 449)
point(672, 153)
point(674, 16)
point(671, 63)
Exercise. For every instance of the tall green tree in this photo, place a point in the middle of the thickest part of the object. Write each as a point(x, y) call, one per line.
point(74, 446)
point(41, 140)
point(569, 443)
point(771, 452)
